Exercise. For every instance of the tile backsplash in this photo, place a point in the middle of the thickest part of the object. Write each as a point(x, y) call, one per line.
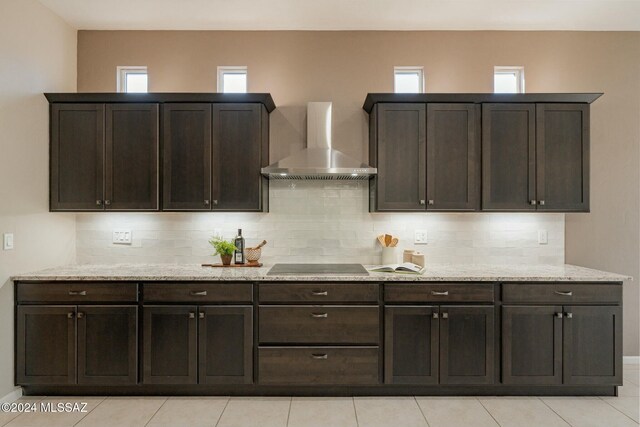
point(322, 221)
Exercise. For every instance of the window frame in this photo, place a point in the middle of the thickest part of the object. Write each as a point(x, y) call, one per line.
point(122, 71)
point(410, 69)
point(232, 69)
point(518, 70)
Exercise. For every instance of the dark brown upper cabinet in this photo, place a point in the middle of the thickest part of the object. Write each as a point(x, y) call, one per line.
point(77, 157)
point(240, 150)
point(131, 154)
point(186, 133)
point(562, 157)
point(398, 150)
point(453, 157)
point(508, 157)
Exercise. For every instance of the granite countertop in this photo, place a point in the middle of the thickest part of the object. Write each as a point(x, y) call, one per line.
point(433, 273)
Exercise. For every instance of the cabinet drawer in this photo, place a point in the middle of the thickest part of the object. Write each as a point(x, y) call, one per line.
point(439, 292)
point(319, 324)
point(318, 365)
point(198, 292)
point(319, 292)
point(560, 293)
point(77, 292)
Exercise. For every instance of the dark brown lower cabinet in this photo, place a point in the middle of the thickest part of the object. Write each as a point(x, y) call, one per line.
point(439, 344)
point(226, 345)
point(107, 345)
point(170, 349)
point(46, 345)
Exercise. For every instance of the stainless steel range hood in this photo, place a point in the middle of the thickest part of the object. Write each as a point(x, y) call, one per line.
point(319, 160)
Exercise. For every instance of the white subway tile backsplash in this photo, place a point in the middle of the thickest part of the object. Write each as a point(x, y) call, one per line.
point(323, 221)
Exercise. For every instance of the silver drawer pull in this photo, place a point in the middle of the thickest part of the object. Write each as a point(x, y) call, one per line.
point(436, 315)
point(201, 315)
point(445, 315)
point(70, 315)
point(569, 315)
point(319, 293)
point(319, 315)
point(440, 293)
point(198, 293)
point(192, 315)
point(559, 315)
point(319, 356)
point(564, 293)
point(80, 315)
point(75, 293)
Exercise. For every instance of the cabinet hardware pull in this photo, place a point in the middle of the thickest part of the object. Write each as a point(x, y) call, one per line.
point(215, 202)
point(564, 293)
point(319, 356)
point(201, 315)
point(320, 293)
point(107, 202)
point(541, 202)
point(75, 293)
point(198, 293)
point(440, 293)
point(70, 315)
point(431, 202)
point(98, 202)
point(319, 315)
point(569, 315)
point(559, 315)
point(422, 202)
point(80, 315)
point(206, 203)
point(192, 315)
point(533, 202)
point(435, 315)
point(445, 315)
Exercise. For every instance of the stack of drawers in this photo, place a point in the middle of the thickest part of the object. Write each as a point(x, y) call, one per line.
point(319, 333)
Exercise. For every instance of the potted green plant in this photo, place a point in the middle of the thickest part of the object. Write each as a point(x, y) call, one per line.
point(223, 248)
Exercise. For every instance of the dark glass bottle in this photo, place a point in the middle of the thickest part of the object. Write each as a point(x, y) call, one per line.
point(238, 256)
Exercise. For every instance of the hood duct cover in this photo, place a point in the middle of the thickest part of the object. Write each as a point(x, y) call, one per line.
point(319, 160)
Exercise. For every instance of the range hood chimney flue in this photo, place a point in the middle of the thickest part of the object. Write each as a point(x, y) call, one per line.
point(319, 160)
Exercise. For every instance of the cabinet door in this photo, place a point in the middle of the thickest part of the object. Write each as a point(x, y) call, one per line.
point(107, 345)
point(131, 157)
point(170, 345)
point(46, 345)
point(77, 157)
point(508, 157)
point(453, 157)
point(562, 155)
point(467, 345)
point(226, 345)
point(186, 138)
point(532, 345)
point(411, 345)
point(237, 157)
point(593, 345)
point(401, 152)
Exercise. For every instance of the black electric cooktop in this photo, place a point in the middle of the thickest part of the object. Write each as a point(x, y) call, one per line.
point(317, 269)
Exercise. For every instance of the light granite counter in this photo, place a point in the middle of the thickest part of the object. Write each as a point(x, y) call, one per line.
point(435, 273)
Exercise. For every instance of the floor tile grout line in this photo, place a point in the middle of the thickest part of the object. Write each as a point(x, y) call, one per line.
point(355, 411)
point(289, 412)
point(223, 409)
point(166, 399)
point(421, 411)
point(488, 411)
point(599, 397)
point(87, 414)
point(40, 399)
point(554, 411)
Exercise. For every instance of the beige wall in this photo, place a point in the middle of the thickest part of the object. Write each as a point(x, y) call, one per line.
point(296, 67)
point(38, 54)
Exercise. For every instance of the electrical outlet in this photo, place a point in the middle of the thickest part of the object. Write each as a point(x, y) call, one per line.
point(122, 237)
point(543, 237)
point(420, 237)
point(7, 241)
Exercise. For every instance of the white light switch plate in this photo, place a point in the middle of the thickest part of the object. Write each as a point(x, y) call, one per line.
point(543, 237)
point(420, 237)
point(7, 239)
point(122, 237)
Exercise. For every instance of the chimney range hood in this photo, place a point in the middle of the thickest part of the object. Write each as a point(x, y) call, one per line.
point(319, 160)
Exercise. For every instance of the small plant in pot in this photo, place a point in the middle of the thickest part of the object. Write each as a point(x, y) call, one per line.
point(223, 248)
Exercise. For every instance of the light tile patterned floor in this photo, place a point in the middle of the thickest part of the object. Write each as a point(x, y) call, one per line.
point(420, 411)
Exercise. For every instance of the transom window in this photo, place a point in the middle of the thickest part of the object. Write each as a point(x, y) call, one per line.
point(232, 79)
point(408, 79)
point(132, 79)
point(508, 79)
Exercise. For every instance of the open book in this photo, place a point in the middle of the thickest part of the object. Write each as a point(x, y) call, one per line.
point(407, 267)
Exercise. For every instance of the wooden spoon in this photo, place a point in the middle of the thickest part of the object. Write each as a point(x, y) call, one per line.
point(264, 242)
point(387, 240)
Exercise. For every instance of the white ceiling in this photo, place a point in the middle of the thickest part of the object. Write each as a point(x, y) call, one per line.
point(349, 14)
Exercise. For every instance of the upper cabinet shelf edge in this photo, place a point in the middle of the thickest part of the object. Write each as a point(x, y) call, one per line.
point(163, 97)
point(479, 98)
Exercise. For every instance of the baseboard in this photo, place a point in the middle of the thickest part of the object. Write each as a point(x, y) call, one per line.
point(631, 360)
point(12, 396)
